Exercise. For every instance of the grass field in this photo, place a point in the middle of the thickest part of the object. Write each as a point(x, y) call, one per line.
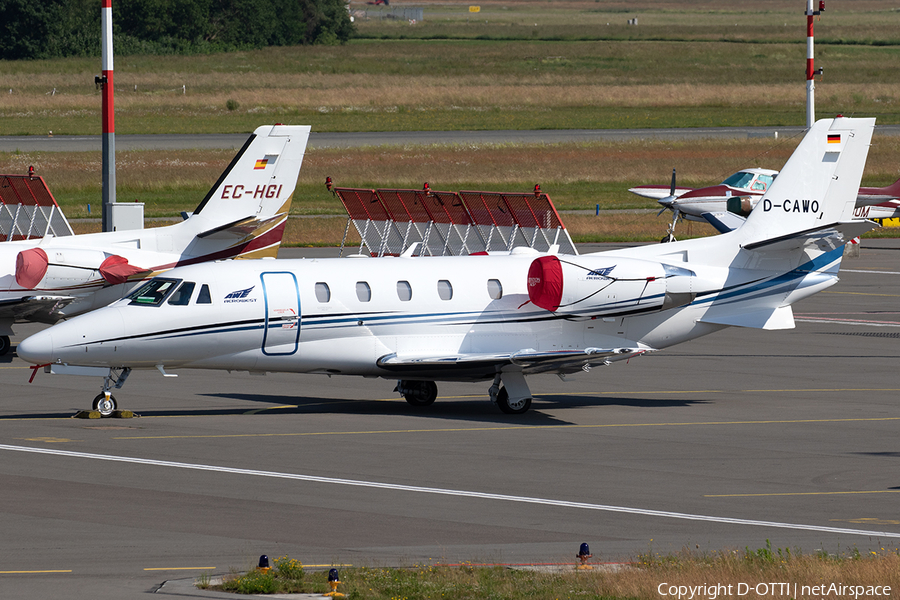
point(523, 64)
point(531, 65)
point(578, 177)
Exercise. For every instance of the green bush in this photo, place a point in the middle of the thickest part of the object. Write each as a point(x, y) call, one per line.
point(253, 582)
point(289, 569)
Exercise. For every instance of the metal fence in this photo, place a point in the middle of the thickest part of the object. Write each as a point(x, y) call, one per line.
point(28, 210)
point(391, 221)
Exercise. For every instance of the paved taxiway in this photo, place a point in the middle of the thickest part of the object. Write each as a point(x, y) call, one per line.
point(726, 441)
point(319, 139)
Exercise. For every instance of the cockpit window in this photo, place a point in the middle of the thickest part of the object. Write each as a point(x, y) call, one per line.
point(153, 292)
point(741, 179)
point(183, 295)
point(763, 182)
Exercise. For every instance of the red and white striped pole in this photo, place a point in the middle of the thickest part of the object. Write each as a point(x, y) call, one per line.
point(810, 70)
point(108, 112)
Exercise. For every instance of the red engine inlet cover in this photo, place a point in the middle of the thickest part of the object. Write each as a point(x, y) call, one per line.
point(31, 266)
point(115, 269)
point(545, 283)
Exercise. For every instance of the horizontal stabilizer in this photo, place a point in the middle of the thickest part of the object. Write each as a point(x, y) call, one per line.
point(869, 196)
point(240, 228)
point(841, 232)
point(723, 221)
point(769, 318)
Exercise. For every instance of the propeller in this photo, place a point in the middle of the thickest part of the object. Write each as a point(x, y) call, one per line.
point(667, 202)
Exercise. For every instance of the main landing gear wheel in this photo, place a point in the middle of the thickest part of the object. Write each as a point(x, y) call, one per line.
point(418, 393)
point(4, 344)
point(105, 405)
point(516, 407)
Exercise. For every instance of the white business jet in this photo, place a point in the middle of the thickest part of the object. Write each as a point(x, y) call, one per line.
point(497, 317)
point(242, 216)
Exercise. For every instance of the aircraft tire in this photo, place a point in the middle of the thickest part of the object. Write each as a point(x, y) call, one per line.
point(104, 407)
point(4, 344)
point(421, 393)
point(514, 408)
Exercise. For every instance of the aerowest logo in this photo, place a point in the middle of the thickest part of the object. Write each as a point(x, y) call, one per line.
point(240, 296)
point(600, 273)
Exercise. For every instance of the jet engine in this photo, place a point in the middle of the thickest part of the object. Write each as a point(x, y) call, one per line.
point(70, 267)
point(592, 286)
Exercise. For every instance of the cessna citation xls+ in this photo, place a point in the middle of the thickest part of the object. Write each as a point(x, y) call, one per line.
point(243, 216)
point(496, 318)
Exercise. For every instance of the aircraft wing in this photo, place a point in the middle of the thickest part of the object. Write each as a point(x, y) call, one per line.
point(486, 364)
point(658, 191)
point(43, 309)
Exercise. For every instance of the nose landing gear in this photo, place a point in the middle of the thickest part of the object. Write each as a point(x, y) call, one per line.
point(105, 403)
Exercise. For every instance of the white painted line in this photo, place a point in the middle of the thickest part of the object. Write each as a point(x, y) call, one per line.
point(847, 322)
point(447, 492)
point(865, 271)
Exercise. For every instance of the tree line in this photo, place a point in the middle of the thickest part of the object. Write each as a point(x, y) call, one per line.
point(38, 29)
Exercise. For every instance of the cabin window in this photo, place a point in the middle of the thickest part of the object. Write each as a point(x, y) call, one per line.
point(204, 297)
point(445, 289)
point(404, 291)
point(183, 295)
point(153, 292)
point(495, 289)
point(363, 291)
point(323, 292)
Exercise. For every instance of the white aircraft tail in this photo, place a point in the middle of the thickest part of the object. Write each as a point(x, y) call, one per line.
point(248, 206)
point(816, 190)
point(795, 236)
point(791, 244)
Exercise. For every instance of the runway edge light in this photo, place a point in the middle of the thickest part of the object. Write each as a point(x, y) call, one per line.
point(333, 580)
point(584, 553)
point(264, 564)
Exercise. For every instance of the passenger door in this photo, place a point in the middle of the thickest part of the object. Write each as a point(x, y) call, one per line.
point(282, 325)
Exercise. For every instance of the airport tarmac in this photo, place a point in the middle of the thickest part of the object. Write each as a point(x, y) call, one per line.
point(724, 442)
point(353, 139)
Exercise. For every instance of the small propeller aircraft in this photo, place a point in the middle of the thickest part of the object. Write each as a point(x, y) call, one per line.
point(242, 216)
point(726, 205)
point(496, 317)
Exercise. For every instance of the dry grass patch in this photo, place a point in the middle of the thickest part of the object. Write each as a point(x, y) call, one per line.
point(319, 231)
point(576, 176)
point(640, 579)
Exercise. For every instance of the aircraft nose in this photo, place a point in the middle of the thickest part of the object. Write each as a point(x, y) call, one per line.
point(37, 349)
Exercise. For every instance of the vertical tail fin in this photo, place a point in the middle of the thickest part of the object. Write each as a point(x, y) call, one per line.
point(817, 187)
point(252, 198)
